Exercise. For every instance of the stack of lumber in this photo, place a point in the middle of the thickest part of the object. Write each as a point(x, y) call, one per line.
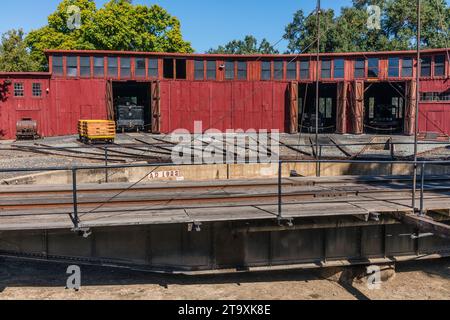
point(95, 130)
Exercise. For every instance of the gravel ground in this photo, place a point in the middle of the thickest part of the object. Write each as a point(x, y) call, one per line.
point(13, 159)
point(16, 159)
point(27, 280)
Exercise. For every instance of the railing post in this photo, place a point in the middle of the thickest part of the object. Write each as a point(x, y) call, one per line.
point(75, 197)
point(319, 172)
point(280, 190)
point(106, 164)
point(414, 191)
point(422, 187)
point(392, 149)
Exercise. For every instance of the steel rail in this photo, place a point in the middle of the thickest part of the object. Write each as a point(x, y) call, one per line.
point(149, 165)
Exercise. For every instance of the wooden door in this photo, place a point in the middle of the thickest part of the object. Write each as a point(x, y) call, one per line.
point(156, 106)
point(293, 103)
point(109, 100)
point(358, 118)
point(410, 108)
point(341, 117)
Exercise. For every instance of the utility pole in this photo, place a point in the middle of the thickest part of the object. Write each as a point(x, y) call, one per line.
point(317, 85)
point(416, 124)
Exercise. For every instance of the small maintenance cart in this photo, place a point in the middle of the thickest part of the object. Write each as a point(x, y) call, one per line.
point(96, 131)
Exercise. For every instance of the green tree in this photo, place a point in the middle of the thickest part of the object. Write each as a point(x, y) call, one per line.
point(301, 33)
point(119, 25)
point(400, 20)
point(349, 31)
point(14, 56)
point(249, 45)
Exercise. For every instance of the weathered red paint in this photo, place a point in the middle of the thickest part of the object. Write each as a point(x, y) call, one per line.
point(57, 111)
point(223, 105)
point(219, 104)
point(434, 117)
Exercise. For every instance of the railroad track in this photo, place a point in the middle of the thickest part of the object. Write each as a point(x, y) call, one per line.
point(220, 193)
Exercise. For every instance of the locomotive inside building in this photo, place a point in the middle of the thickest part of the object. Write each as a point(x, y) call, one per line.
point(132, 106)
point(327, 107)
point(384, 107)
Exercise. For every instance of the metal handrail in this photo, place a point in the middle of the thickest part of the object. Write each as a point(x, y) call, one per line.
point(422, 164)
point(74, 169)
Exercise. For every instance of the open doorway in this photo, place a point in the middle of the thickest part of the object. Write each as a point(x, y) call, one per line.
point(132, 106)
point(327, 107)
point(384, 108)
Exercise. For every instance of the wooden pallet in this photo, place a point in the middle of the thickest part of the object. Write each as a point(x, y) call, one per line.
point(91, 131)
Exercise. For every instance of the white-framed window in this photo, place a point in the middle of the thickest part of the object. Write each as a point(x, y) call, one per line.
point(19, 89)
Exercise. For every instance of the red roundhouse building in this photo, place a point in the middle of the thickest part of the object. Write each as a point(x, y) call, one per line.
point(371, 92)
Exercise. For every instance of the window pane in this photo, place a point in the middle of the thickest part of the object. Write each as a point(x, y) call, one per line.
point(439, 66)
point(37, 90)
point(57, 65)
point(322, 106)
point(85, 66)
point(326, 69)
point(266, 68)
point(278, 70)
point(425, 69)
point(360, 64)
point(125, 67)
point(373, 62)
point(211, 70)
point(112, 67)
point(139, 67)
point(373, 67)
point(407, 67)
point(153, 68)
point(329, 110)
point(199, 70)
point(339, 63)
point(360, 68)
point(242, 70)
point(304, 69)
point(85, 61)
point(291, 70)
point(72, 66)
point(99, 69)
point(393, 68)
point(339, 68)
point(229, 70)
point(18, 90)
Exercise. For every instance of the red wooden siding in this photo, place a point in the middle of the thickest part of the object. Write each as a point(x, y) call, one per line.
point(434, 118)
point(223, 105)
point(220, 104)
point(74, 100)
point(16, 108)
point(57, 111)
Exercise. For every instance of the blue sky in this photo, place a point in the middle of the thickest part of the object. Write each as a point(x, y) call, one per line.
point(205, 23)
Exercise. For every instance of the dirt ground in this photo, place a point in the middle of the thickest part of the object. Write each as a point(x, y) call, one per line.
point(32, 280)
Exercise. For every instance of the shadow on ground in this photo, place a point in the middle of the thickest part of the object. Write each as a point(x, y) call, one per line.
point(19, 274)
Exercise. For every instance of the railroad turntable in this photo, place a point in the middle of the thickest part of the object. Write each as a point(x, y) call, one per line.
point(229, 225)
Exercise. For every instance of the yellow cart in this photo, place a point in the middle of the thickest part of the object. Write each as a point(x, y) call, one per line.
point(92, 131)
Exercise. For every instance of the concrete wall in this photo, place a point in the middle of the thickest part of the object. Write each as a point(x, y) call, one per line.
point(220, 172)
